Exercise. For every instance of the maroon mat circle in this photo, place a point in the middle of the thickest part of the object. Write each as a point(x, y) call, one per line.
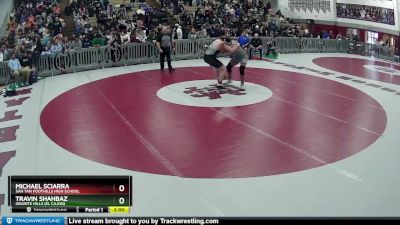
point(120, 121)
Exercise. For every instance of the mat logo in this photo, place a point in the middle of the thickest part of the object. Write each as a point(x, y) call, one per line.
point(212, 92)
point(383, 69)
point(9, 220)
point(204, 93)
point(386, 70)
point(9, 124)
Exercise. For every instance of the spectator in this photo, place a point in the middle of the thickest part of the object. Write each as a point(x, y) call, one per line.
point(244, 40)
point(38, 48)
point(57, 25)
point(46, 51)
point(133, 38)
point(386, 42)
point(125, 37)
point(115, 40)
point(86, 43)
point(76, 43)
point(56, 47)
point(46, 37)
point(307, 33)
point(152, 35)
point(272, 47)
point(203, 33)
point(27, 64)
point(339, 36)
point(193, 34)
point(21, 75)
point(256, 30)
point(98, 41)
point(331, 35)
point(256, 45)
point(141, 35)
point(140, 11)
point(56, 10)
point(21, 50)
point(356, 39)
point(66, 45)
point(179, 32)
point(325, 34)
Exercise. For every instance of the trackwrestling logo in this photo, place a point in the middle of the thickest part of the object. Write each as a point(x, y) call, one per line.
point(33, 220)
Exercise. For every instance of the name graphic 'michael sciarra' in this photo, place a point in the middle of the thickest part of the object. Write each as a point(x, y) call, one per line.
point(212, 92)
point(41, 186)
point(47, 188)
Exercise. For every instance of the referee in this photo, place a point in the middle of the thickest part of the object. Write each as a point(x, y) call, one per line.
point(164, 45)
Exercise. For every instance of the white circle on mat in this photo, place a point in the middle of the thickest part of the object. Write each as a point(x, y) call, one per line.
point(203, 93)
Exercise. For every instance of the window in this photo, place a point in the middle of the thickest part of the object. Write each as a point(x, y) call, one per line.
point(351, 31)
point(372, 37)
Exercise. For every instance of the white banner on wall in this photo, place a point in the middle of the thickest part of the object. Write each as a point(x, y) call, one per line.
point(390, 4)
point(369, 13)
point(307, 9)
point(326, 10)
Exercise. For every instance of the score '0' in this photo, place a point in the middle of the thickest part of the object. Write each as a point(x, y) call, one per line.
point(121, 200)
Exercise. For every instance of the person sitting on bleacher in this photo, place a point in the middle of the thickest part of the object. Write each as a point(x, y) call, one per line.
point(272, 48)
point(27, 64)
point(76, 43)
point(86, 43)
point(56, 47)
point(21, 74)
point(256, 45)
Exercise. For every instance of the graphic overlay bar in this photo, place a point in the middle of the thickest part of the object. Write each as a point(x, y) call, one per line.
point(139, 221)
point(87, 194)
point(184, 220)
point(214, 221)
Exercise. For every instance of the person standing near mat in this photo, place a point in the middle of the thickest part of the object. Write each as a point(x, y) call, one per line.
point(164, 44)
point(210, 56)
point(238, 56)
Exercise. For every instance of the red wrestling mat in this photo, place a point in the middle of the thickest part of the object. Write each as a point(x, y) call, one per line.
point(120, 121)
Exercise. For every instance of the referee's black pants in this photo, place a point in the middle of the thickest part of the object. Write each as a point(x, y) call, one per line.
point(166, 53)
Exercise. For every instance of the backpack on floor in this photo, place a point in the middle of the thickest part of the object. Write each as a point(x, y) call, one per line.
point(11, 90)
point(33, 77)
